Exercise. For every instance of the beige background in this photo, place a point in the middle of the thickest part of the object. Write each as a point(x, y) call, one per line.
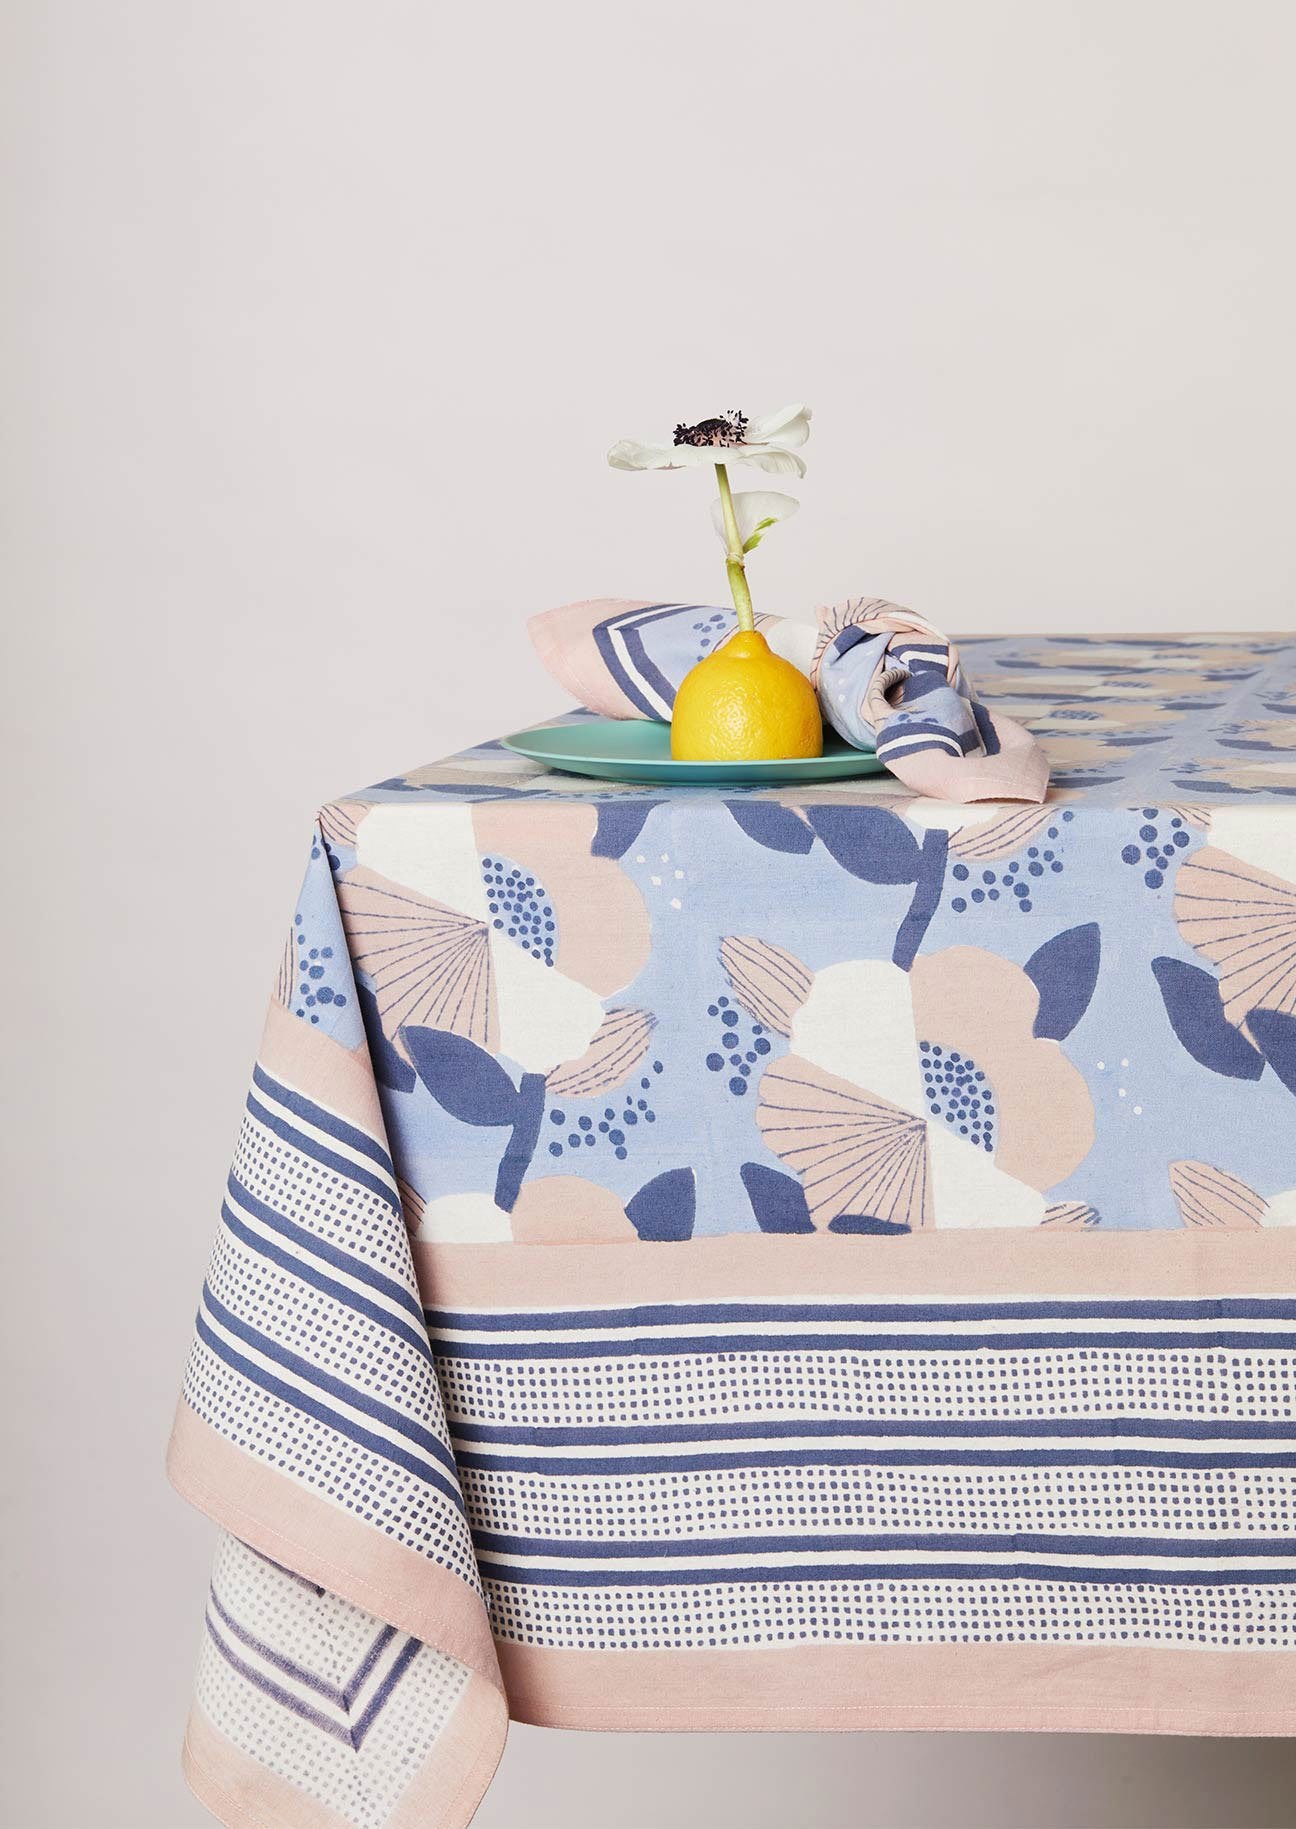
point(317, 319)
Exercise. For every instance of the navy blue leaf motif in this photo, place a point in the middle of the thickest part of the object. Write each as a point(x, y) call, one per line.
point(389, 1069)
point(774, 826)
point(464, 1080)
point(875, 846)
point(1192, 1002)
point(926, 898)
point(619, 824)
point(1276, 1034)
point(1064, 971)
point(664, 1207)
point(777, 1200)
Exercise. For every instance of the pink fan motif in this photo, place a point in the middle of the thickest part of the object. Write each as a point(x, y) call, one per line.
point(429, 965)
point(769, 982)
point(1208, 1196)
point(1244, 921)
point(855, 1153)
point(613, 1055)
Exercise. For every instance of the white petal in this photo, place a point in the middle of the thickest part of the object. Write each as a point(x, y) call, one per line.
point(1282, 1209)
point(464, 1219)
point(1258, 835)
point(544, 1017)
point(789, 426)
point(968, 1190)
point(765, 457)
point(793, 640)
point(629, 454)
point(433, 851)
point(949, 816)
point(857, 1023)
point(751, 507)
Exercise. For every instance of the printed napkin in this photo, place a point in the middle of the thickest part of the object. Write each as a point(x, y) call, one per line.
point(886, 679)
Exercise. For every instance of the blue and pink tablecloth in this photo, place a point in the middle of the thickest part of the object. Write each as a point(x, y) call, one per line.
point(766, 1260)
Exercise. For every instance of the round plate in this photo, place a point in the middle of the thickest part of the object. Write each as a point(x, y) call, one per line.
point(634, 749)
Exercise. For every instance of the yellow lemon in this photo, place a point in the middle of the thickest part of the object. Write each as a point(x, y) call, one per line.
point(744, 703)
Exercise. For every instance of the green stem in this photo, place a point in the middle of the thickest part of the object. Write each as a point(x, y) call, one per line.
point(734, 565)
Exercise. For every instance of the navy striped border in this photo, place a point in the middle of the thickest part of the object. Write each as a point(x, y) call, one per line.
point(326, 1158)
point(718, 1345)
point(1258, 1308)
point(324, 1120)
point(832, 1455)
point(954, 1543)
point(333, 1387)
point(321, 1412)
point(327, 1285)
point(358, 1267)
point(821, 1574)
point(616, 1435)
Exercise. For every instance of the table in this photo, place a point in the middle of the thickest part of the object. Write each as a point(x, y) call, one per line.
point(765, 1260)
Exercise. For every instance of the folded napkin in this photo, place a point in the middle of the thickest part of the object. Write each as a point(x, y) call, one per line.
point(886, 679)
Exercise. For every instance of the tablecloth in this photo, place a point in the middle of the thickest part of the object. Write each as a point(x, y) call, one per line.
point(761, 1259)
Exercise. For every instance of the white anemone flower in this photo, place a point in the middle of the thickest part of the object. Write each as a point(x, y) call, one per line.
point(756, 511)
point(770, 443)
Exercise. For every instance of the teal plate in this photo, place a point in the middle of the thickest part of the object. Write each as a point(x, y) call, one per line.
point(633, 749)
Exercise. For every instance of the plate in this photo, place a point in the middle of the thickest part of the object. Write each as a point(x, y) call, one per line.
point(634, 749)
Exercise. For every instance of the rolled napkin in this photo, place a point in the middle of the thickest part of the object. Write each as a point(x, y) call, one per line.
point(886, 679)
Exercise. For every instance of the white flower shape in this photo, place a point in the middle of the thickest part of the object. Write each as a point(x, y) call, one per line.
point(770, 443)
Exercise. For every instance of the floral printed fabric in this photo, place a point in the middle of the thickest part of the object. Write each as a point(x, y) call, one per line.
point(598, 1013)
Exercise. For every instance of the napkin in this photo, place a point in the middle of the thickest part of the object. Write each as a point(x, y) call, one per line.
point(886, 679)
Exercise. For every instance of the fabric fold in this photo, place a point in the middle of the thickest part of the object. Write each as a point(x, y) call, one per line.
point(886, 678)
point(347, 1674)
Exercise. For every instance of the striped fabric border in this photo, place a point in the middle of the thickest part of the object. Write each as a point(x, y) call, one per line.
point(1003, 1460)
point(310, 1327)
point(346, 1679)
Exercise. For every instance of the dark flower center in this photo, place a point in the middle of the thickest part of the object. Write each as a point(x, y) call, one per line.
point(729, 430)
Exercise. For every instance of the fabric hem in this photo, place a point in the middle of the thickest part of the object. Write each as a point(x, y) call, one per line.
point(915, 1718)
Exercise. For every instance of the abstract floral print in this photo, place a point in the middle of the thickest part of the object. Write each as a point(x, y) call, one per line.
point(611, 1013)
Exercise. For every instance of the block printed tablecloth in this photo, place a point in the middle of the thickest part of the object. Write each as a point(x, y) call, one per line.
point(766, 1259)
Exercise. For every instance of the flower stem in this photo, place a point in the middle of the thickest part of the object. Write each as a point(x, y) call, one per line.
point(734, 565)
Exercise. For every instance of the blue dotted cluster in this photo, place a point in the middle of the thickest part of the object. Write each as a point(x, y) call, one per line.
point(958, 1093)
point(614, 1126)
point(1019, 880)
point(520, 907)
point(312, 970)
point(1155, 853)
point(708, 630)
point(738, 1045)
point(334, 861)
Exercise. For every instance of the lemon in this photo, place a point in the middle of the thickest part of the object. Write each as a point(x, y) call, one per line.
point(744, 703)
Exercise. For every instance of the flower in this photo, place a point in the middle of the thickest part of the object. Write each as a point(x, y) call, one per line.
point(913, 1099)
point(770, 443)
point(496, 926)
point(756, 511)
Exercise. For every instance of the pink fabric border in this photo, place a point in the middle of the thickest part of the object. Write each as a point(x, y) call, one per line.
point(322, 1068)
point(240, 1791)
point(972, 1265)
point(443, 1794)
point(1081, 1689)
point(325, 1544)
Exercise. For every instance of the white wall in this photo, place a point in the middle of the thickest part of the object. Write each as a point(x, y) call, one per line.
point(317, 320)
